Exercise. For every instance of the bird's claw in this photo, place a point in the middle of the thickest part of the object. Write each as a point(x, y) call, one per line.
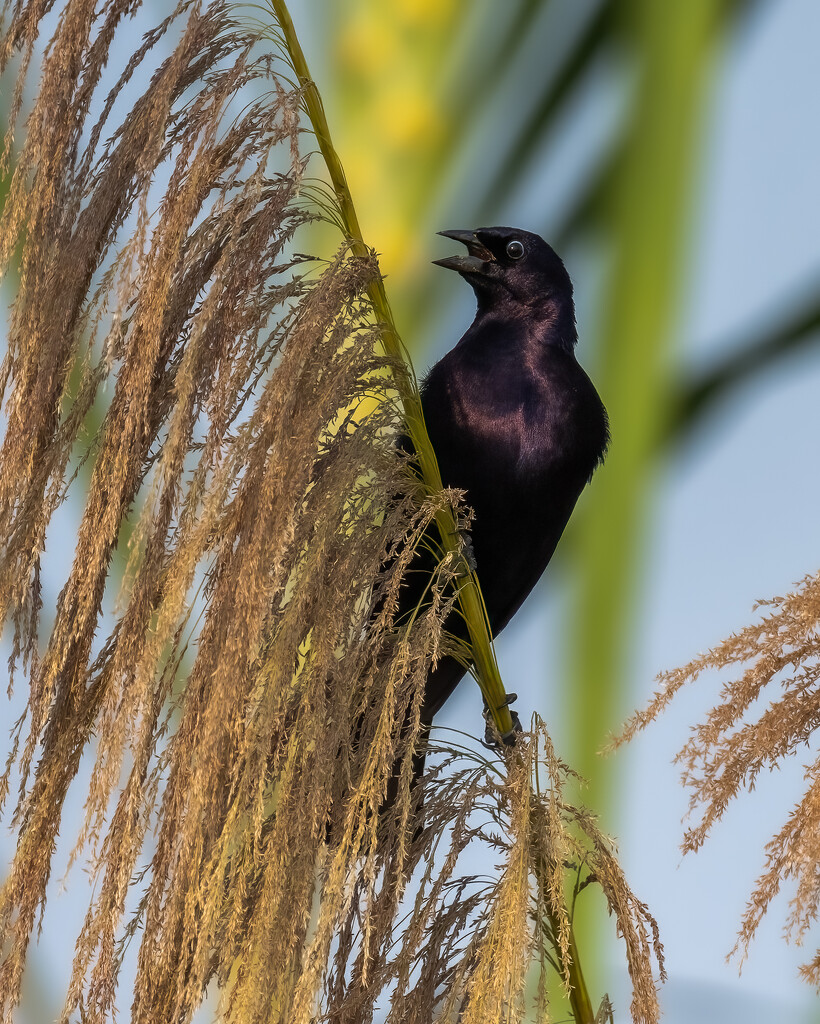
point(467, 553)
point(492, 740)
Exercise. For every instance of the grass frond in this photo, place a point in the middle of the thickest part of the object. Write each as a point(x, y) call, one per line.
point(768, 712)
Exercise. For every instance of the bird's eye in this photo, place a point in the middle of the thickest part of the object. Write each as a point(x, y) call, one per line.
point(515, 250)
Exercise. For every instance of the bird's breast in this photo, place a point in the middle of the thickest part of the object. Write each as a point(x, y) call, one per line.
point(520, 428)
point(522, 441)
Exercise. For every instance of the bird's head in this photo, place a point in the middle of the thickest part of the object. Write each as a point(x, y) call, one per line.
point(513, 269)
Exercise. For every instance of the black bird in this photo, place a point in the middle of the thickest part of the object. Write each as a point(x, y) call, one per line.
point(514, 421)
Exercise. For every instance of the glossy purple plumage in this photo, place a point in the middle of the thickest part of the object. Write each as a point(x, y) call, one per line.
point(514, 420)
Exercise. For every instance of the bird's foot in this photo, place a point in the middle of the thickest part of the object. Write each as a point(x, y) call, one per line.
point(492, 739)
point(467, 553)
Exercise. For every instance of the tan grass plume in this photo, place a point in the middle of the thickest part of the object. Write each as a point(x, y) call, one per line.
point(769, 710)
point(232, 416)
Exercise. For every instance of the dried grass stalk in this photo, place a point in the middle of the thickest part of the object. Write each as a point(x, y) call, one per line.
point(465, 950)
point(236, 386)
point(743, 736)
point(251, 698)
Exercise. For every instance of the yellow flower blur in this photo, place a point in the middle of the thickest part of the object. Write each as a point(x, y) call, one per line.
point(393, 121)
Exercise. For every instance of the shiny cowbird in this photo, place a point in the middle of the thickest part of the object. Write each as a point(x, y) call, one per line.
point(514, 421)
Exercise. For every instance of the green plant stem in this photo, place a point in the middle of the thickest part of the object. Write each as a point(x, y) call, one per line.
point(569, 964)
point(570, 967)
point(579, 999)
point(470, 599)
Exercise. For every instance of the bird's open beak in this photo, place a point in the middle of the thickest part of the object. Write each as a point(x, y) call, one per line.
point(477, 260)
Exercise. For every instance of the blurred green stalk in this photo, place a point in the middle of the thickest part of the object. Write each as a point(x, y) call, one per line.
point(647, 216)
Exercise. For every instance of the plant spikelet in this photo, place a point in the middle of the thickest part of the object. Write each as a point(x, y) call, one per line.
point(778, 661)
point(464, 948)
